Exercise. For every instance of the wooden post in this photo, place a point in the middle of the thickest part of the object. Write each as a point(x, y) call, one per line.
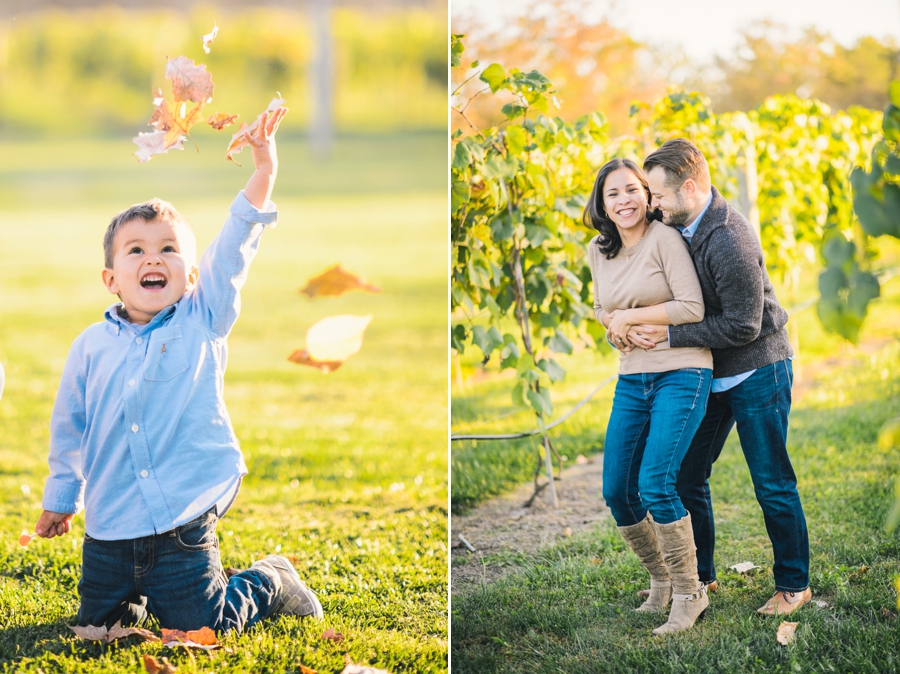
point(749, 184)
point(322, 78)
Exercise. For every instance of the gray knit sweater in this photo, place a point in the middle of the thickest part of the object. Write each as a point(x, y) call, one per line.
point(744, 323)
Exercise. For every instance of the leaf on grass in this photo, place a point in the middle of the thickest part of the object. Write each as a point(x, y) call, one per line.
point(331, 341)
point(153, 143)
point(209, 37)
point(119, 632)
point(859, 573)
point(91, 633)
point(204, 638)
point(336, 281)
point(161, 666)
point(744, 567)
point(238, 142)
point(307, 670)
point(887, 613)
point(331, 635)
point(786, 632)
point(355, 668)
point(189, 82)
point(221, 120)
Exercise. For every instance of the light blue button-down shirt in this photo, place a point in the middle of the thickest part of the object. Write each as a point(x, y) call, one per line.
point(719, 384)
point(140, 437)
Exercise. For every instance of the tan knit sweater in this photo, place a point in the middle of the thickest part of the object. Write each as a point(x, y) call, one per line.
point(659, 271)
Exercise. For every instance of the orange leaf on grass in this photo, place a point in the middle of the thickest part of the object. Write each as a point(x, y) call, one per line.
point(786, 632)
point(331, 635)
point(336, 281)
point(221, 120)
point(161, 666)
point(204, 638)
point(307, 670)
point(238, 142)
point(189, 82)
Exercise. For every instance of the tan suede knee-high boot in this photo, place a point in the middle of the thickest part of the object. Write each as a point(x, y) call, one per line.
point(689, 597)
point(642, 539)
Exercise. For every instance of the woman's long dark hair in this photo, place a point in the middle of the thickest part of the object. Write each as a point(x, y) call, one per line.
point(595, 216)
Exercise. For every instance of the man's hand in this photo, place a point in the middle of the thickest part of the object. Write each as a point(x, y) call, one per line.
point(647, 336)
point(53, 524)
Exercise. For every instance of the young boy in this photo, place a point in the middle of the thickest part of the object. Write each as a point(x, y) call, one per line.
point(140, 436)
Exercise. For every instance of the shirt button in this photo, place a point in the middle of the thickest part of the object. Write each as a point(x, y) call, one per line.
point(135, 428)
point(138, 340)
point(144, 473)
point(131, 382)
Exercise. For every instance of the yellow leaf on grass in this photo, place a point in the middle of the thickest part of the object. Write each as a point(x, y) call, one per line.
point(336, 281)
point(786, 632)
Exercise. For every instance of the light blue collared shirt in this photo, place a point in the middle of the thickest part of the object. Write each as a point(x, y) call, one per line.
point(140, 437)
point(719, 384)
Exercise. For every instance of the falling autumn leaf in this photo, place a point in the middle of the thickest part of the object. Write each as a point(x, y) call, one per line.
point(221, 120)
point(331, 635)
point(786, 632)
point(238, 142)
point(189, 82)
point(209, 37)
point(153, 143)
point(335, 281)
point(355, 668)
point(174, 121)
point(301, 357)
point(154, 666)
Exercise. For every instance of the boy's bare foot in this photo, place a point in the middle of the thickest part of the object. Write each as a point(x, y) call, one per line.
point(295, 597)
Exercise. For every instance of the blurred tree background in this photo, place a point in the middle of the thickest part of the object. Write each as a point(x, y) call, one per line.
point(595, 65)
point(70, 67)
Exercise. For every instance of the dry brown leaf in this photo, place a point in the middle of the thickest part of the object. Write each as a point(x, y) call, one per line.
point(204, 638)
point(331, 635)
point(221, 120)
point(209, 37)
point(887, 613)
point(238, 142)
point(189, 82)
point(161, 666)
point(90, 632)
point(859, 573)
point(307, 670)
point(336, 281)
point(174, 121)
point(301, 357)
point(355, 668)
point(119, 632)
point(786, 632)
point(153, 143)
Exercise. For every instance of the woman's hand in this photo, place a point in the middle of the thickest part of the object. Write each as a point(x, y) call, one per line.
point(619, 325)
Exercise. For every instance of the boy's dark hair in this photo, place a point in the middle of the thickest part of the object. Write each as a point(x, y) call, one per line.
point(155, 209)
point(681, 160)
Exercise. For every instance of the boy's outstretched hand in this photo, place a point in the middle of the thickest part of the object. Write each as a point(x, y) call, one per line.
point(262, 144)
point(53, 524)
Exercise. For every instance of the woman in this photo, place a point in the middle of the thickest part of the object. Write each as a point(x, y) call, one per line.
point(643, 274)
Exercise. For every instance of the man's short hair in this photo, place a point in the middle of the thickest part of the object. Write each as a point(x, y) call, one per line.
point(155, 209)
point(681, 160)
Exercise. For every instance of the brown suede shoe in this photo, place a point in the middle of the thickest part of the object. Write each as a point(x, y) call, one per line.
point(710, 587)
point(782, 603)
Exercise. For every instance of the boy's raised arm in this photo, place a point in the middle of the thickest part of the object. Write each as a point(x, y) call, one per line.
point(262, 144)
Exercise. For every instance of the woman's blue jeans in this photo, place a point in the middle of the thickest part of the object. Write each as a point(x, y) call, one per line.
point(760, 406)
point(654, 418)
point(176, 576)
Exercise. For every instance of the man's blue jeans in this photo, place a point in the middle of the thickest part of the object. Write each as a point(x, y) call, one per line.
point(176, 576)
point(653, 420)
point(760, 406)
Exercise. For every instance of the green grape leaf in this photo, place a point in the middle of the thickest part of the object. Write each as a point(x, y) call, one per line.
point(494, 76)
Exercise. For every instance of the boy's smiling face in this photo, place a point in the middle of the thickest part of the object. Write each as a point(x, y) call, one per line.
point(153, 266)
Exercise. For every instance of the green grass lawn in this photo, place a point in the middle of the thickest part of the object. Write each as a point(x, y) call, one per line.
point(348, 471)
point(570, 606)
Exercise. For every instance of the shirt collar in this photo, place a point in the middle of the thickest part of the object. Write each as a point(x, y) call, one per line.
point(113, 316)
point(688, 232)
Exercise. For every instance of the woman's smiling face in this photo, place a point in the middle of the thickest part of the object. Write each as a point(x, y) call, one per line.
point(624, 199)
point(153, 267)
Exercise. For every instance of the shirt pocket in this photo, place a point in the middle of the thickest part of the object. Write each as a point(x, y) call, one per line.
point(166, 356)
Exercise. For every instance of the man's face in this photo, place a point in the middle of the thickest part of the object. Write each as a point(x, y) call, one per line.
point(671, 203)
point(153, 267)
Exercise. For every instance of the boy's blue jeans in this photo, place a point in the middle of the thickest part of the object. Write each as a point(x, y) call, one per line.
point(653, 420)
point(176, 576)
point(760, 406)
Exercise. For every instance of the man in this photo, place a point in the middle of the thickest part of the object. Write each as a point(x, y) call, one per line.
point(752, 375)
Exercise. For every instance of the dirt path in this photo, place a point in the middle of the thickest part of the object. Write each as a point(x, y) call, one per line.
point(503, 527)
